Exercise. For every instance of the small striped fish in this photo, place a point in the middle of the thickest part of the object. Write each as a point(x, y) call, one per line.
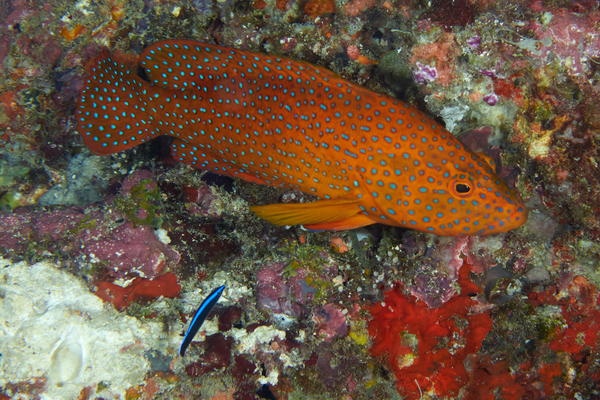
point(274, 121)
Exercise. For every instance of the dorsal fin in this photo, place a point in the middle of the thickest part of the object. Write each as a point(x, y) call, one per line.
point(184, 64)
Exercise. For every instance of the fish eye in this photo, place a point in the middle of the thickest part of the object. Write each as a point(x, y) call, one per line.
point(462, 188)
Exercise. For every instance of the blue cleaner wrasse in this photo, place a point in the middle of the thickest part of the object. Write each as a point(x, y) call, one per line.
point(199, 318)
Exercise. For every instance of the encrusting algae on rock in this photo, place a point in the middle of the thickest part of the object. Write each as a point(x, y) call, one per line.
point(273, 121)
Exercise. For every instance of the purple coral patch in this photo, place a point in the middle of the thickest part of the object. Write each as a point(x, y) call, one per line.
point(216, 356)
point(132, 252)
point(425, 73)
point(270, 286)
point(491, 99)
point(331, 322)
point(474, 42)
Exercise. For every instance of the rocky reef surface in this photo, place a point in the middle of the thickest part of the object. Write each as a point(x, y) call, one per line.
point(106, 259)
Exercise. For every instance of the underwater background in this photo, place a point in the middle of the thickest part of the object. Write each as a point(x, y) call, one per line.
point(105, 259)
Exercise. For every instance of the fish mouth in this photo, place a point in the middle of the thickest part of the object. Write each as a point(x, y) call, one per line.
point(514, 220)
point(520, 216)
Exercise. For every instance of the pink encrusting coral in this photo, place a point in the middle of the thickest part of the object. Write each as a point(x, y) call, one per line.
point(283, 295)
point(271, 289)
point(331, 322)
point(434, 282)
point(131, 251)
point(571, 37)
point(16, 229)
point(132, 248)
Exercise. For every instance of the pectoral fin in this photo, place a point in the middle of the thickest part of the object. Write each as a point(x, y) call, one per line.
point(354, 221)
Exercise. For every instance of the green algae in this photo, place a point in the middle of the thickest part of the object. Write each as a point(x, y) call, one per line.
point(313, 259)
point(9, 173)
point(142, 200)
point(9, 200)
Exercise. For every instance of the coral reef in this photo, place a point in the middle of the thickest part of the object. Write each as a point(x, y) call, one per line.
point(106, 259)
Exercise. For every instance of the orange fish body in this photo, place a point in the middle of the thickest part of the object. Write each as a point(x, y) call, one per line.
point(278, 122)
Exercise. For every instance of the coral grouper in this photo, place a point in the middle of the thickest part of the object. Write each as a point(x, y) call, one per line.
point(278, 122)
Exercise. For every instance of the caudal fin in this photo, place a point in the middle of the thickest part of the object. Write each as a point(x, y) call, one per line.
point(112, 111)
